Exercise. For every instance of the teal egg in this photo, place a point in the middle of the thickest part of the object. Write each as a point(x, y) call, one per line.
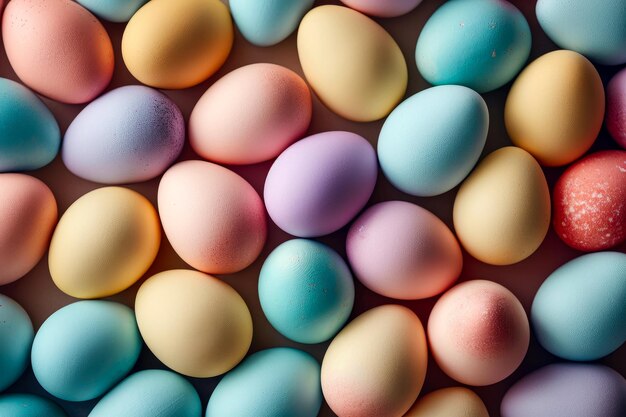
point(579, 312)
point(306, 291)
point(16, 338)
point(278, 382)
point(481, 44)
point(27, 405)
point(29, 134)
point(113, 10)
point(433, 139)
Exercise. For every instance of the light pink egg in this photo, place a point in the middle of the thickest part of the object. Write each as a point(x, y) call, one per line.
point(383, 8)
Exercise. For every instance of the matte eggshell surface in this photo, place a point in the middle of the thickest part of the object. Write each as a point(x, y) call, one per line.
point(16, 338)
point(113, 10)
point(387, 8)
point(28, 405)
point(449, 402)
point(616, 107)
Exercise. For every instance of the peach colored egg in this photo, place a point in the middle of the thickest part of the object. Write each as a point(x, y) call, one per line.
point(58, 49)
point(213, 218)
point(28, 213)
point(449, 402)
point(250, 115)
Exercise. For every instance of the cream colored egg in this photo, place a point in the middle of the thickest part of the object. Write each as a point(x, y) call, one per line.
point(449, 402)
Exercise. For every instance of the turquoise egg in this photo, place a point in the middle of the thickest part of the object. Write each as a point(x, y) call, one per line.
point(306, 291)
point(29, 134)
point(481, 44)
point(113, 10)
point(433, 139)
point(85, 348)
point(278, 382)
point(16, 338)
point(27, 405)
point(579, 312)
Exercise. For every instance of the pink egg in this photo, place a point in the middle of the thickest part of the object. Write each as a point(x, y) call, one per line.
point(250, 115)
point(213, 218)
point(401, 250)
point(383, 8)
point(28, 213)
point(58, 49)
point(616, 108)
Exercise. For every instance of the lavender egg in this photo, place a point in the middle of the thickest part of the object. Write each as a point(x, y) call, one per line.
point(130, 134)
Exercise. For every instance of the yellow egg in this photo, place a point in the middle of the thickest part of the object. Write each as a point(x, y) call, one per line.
point(353, 65)
point(104, 243)
point(177, 44)
point(555, 107)
point(194, 323)
point(502, 210)
point(449, 402)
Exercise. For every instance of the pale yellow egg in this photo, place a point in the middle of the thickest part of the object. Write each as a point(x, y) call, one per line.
point(449, 402)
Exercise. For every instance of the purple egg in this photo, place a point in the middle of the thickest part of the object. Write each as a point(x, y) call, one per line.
point(317, 185)
point(616, 108)
point(130, 134)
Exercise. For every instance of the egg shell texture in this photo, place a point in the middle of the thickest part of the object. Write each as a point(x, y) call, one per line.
point(449, 402)
point(388, 8)
point(16, 338)
point(28, 405)
point(616, 108)
point(113, 10)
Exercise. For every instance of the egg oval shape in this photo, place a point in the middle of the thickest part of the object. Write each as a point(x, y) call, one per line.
point(502, 210)
point(58, 48)
point(555, 107)
point(388, 8)
point(16, 338)
point(130, 134)
point(118, 11)
point(273, 382)
point(194, 323)
point(376, 365)
point(354, 66)
point(28, 405)
point(177, 44)
point(616, 108)
point(104, 242)
point(433, 139)
point(481, 44)
point(82, 350)
point(250, 115)
point(318, 184)
point(231, 237)
point(449, 402)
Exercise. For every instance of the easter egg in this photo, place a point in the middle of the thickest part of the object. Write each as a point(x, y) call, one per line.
point(616, 108)
point(318, 184)
point(85, 348)
point(194, 323)
point(389, 8)
point(269, 383)
point(306, 290)
point(481, 44)
point(213, 218)
point(478, 332)
point(177, 44)
point(58, 48)
point(449, 402)
point(250, 115)
point(433, 139)
point(16, 338)
point(376, 365)
point(354, 66)
point(28, 405)
point(502, 210)
point(555, 107)
point(113, 10)
point(130, 134)
point(104, 242)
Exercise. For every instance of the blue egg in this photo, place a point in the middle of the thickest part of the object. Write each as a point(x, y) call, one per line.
point(16, 338)
point(306, 291)
point(579, 312)
point(481, 44)
point(433, 139)
point(85, 348)
point(113, 10)
point(29, 134)
point(27, 405)
point(278, 382)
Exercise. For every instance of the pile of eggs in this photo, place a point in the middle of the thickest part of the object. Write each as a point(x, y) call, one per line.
point(369, 255)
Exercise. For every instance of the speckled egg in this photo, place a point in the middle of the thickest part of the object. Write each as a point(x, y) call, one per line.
point(113, 10)
point(16, 338)
point(28, 405)
point(449, 402)
point(616, 108)
point(388, 8)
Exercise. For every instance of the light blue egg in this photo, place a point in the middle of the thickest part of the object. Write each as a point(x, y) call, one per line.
point(29, 134)
point(85, 348)
point(278, 382)
point(481, 44)
point(268, 22)
point(579, 312)
point(433, 139)
point(113, 10)
point(306, 291)
point(27, 405)
point(16, 338)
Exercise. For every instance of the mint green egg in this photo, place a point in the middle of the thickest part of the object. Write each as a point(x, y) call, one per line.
point(27, 405)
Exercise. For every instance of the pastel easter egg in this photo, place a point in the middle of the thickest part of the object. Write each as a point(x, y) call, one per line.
point(433, 139)
point(376, 365)
point(28, 214)
point(318, 184)
point(30, 135)
point(273, 382)
point(194, 323)
point(113, 10)
point(481, 44)
point(250, 115)
point(306, 290)
point(28, 405)
point(58, 49)
point(130, 134)
point(177, 44)
point(389, 8)
point(231, 237)
point(354, 66)
point(502, 210)
point(555, 107)
point(449, 402)
point(16, 338)
point(616, 108)
point(85, 348)
point(104, 243)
